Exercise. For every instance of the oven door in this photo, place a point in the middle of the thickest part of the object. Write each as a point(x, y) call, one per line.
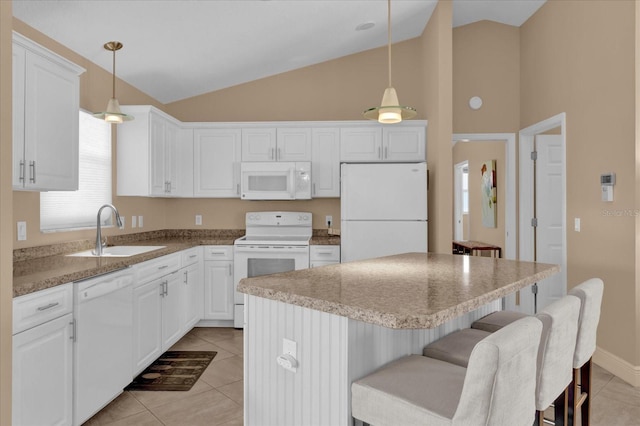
point(253, 261)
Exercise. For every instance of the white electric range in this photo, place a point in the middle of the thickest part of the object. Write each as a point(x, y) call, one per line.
point(274, 242)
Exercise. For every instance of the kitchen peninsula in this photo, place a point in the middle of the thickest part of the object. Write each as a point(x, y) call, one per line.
point(347, 320)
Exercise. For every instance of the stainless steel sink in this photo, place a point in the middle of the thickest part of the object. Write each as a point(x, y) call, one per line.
point(118, 251)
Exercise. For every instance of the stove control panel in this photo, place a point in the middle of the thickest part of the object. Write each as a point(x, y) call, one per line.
point(279, 219)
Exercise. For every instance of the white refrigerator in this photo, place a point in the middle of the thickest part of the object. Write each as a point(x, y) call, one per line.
point(383, 209)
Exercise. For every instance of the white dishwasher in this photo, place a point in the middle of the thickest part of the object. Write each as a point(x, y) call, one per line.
point(103, 341)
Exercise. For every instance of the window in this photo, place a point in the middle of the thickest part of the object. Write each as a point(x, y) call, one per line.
point(70, 210)
point(465, 190)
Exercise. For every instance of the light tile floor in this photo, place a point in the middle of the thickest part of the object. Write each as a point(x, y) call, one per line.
point(217, 397)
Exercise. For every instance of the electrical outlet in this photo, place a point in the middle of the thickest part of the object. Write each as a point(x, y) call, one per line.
point(22, 231)
point(134, 220)
point(198, 219)
point(329, 221)
point(140, 218)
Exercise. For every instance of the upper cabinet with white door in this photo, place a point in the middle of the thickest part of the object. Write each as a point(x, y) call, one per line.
point(392, 143)
point(216, 161)
point(155, 155)
point(276, 144)
point(325, 162)
point(46, 101)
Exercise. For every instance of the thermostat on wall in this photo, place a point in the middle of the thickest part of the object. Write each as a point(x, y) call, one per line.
point(606, 182)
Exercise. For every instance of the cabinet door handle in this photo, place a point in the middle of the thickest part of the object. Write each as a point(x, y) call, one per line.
point(74, 330)
point(314, 188)
point(386, 152)
point(163, 267)
point(186, 277)
point(379, 153)
point(272, 154)
point(49, 306)
point(238, 188)
point(279, 156)
point(192, 256)
point(21, 171)
point(230, 270)
point(32, 171)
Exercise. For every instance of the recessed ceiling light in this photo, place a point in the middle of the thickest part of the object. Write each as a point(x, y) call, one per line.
point(365, 26)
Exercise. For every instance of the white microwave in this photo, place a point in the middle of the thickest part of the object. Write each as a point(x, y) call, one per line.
point(275, 180)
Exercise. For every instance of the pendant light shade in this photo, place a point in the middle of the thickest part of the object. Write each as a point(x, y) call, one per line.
point(113, 114)
point(390, 111)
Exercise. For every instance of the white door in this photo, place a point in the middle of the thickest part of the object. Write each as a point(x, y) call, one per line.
point(192, 303)
point(172, 309)
point(460, 200)
point(549, 207)
point(42, 374)
point(218, 290)
point(293, 144)
point(360, 144)
point(259, 144)
point(403, 143)
point(325, 162)
point(217, 155)
point(147, 314)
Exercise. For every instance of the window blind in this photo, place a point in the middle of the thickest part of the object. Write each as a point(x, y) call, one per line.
point(66, 210)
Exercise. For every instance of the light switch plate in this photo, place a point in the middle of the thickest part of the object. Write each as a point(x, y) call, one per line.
point(22, 231)
point(140, 221)
point(134, 221)
point(576, 224)
point(198, 219)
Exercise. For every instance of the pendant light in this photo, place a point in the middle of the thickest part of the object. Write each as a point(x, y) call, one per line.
point(390, 111)
point(113, 114)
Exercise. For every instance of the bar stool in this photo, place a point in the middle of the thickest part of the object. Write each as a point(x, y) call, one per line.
point(590, 294)
point(555, 357)
point(496, 389)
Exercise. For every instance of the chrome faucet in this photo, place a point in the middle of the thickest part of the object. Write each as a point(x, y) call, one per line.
point(99, 244)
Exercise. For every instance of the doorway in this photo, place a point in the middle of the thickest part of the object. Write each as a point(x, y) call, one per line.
point(509, 140)
point(543, 228)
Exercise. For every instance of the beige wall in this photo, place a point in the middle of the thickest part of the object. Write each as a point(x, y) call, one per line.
point(578, 57)
point(6, 248)
point(486, 63)
point(476, 153)
point(437, 92)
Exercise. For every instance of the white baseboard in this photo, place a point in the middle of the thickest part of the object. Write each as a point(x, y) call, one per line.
point(617, 366)
point(215, 323)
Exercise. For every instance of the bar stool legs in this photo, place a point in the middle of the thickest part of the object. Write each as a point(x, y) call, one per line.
point(579, 395)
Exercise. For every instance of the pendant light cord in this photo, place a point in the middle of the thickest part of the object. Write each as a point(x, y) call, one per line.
point(389, 37)
point(114, 73)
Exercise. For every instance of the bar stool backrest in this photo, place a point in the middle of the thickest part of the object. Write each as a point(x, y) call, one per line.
point(590, 294)
point(557, 344)
point(500, 381)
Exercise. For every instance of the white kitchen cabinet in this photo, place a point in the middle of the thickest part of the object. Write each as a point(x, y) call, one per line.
point(158, 309)
point(193, 302)
point(281, 144)
point(325, 162)
point(382, 144)
point(154, 154)
point(172, 309)
point(42, 371)
point(147, 318)
point(321, 255)
point(217, 156)
point(218, 283)
point(46, 101)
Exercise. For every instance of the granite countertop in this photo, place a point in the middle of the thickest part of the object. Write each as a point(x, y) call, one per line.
point(39, 268)
point(412, 290)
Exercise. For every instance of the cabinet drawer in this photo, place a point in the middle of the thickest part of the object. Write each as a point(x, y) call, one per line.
point(324, 253)
point(191, 256)
point(42, 306)
point(218, 252)
point(156, 268)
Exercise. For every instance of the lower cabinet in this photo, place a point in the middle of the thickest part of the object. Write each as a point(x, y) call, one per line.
point(321, 255)
point(193, 300)
point(43, 358)
point(218, 283)
point(157, 318)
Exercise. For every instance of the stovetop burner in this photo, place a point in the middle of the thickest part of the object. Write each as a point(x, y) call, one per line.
point(277, 228)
